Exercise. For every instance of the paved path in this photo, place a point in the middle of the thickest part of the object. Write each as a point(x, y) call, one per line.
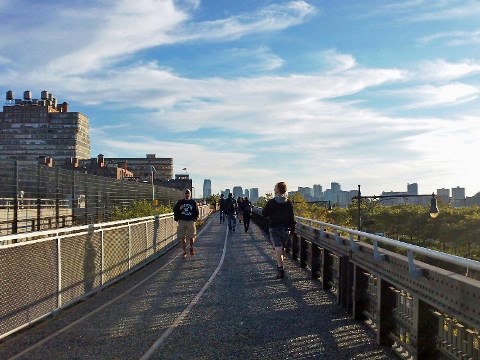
point(223, 303)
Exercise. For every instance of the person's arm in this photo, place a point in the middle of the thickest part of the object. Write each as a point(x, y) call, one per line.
point(196, 213)
point(176, 211)
point(292, 218)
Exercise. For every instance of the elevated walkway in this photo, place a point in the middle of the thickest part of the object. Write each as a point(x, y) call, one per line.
point(222, 303)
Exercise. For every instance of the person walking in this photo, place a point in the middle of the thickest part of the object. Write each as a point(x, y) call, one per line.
point(247, 211)
point(185, 212)
point(281, 221)
point(222, 204)
point(231, 209)
point(240, 209)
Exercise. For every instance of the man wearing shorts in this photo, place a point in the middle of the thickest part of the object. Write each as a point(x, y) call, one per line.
point(281, 221)
point(185, 212)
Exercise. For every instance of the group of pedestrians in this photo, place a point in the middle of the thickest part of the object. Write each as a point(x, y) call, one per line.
point(278, 211)
point(233, 209)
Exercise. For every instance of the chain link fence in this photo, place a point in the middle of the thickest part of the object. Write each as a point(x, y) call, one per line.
point(37, 197)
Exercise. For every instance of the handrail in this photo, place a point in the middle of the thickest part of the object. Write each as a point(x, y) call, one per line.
point(452, 259)
point(56, 232)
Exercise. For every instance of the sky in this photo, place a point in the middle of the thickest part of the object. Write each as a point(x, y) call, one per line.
point(252, 92)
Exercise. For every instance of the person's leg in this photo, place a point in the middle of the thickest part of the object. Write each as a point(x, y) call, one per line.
point(230, 221)
point(276, 239)
point(181, 234)
point(191, 232)
point(234, 223)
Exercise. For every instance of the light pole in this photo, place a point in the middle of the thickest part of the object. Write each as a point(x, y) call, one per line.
point(433, 204)
point(153, 186)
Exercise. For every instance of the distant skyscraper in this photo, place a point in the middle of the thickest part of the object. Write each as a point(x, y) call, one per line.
point(443, 194)
point(335, 187)
point(226, 192)
point(458, 196)
point(207, 188)
point(254, 195)
point(247, 193)
point(237, 191)
point(317, 191)
point(412, 189)
point(306, 192)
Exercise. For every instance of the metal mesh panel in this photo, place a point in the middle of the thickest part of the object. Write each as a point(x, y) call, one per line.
point(81, 264)
point(138, 244)
point(150, 238)
point(37, 197)
point(28, 285)
point(115, 242)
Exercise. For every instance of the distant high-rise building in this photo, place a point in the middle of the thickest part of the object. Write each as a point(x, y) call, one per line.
point(335, 187)
point(306, 192)
point(458, 196)
point(254, 195)
point(412, 189)
point(30, 128)
point(237, 191)
point(247, 193)
point(226, 192)
point(443, 194)
point(317, 191)
point(207, 188)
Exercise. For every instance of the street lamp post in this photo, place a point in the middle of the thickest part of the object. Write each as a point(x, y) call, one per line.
point(433, 204)
point(153, 186)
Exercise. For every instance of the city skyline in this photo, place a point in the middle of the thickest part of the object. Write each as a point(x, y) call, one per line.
point(256, 92)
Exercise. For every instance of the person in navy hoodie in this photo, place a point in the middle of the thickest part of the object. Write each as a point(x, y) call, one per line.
point(281, 222)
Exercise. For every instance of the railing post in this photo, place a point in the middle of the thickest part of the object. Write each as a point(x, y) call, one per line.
point(129, 246)
point(103, 256)
point(303, 252)
point(59, 273)
point(39, 200)
point(386, 301)
point(15, 198)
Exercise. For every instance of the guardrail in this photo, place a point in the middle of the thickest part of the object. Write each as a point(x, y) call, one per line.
point(42, 272)
point(425, 309)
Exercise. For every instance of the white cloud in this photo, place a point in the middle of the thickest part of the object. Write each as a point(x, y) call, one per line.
point(446, 95)
point(441, 70)
point(453, 38)
point(338, 62)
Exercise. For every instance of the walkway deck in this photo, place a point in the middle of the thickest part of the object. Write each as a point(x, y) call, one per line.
point(223, 303)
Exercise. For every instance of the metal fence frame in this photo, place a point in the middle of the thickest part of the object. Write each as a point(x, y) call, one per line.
point(43, 272)
point(36, 197)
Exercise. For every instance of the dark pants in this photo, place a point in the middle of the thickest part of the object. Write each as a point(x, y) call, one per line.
point(232, 221)
point(222, 216)
point(246, 220)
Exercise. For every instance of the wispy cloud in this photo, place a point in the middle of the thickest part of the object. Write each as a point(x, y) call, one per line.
point(271, 18)
point(423, 10)
point(453, 38)
point(426, 96)
point(441, 70)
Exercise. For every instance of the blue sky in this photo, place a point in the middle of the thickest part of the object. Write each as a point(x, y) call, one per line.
point(251, 92)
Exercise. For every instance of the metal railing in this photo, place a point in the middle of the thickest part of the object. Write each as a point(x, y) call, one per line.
point(421, 302)
point(36, 197)
point(42, 272)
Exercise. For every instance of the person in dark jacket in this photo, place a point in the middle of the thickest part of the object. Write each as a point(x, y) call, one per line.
point(231, 209)
point(185, 212)
point(247, 211)
point(240, 209)
point(222, 202)
point(281, 221)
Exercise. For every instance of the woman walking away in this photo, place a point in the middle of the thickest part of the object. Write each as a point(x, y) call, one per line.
point(247, 211)
point(281, 221)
